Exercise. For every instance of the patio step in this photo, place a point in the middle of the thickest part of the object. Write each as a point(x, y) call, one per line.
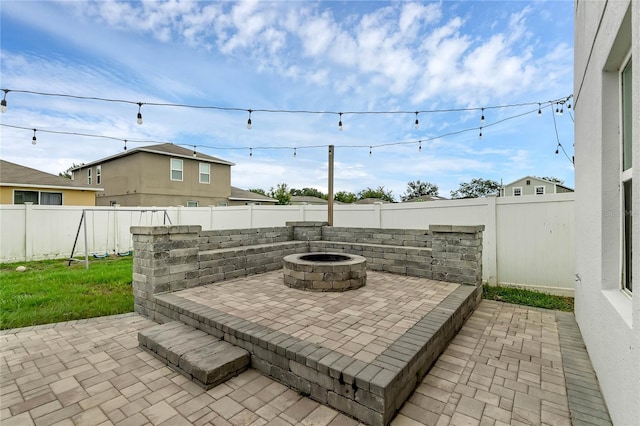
point(203, 358)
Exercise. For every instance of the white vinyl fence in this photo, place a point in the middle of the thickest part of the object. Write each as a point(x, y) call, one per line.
point(528, 241)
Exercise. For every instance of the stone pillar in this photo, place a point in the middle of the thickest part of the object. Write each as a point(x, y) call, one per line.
point(307, 231)
point(457, 253)
point(165, 258)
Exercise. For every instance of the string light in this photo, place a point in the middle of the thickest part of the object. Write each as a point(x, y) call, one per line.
point(139, 120)
point(370, 150)
point(249, 125)
point(539, 109)
point(419, 142)
point(419, 146)
point(480, 135)
point(294, 153)
point(557, 151)
point(125, 144)
point(340, 123)
point(3, 103)
point(482, 118)
point(33, 139)
point(417, 122)
point(194, 151)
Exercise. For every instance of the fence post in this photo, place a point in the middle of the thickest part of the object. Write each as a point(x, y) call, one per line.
point(28, 246)
point(490, 236)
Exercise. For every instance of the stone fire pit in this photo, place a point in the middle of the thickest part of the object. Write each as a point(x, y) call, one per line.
point(324, 271)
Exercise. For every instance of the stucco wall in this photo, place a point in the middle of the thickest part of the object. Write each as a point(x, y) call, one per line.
point(70, 197)
point(608, 318)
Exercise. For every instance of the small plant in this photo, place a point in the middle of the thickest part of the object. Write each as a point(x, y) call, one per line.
point(520, 296)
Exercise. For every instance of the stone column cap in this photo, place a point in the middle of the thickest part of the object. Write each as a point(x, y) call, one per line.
point(464, 229)
point(165, 229)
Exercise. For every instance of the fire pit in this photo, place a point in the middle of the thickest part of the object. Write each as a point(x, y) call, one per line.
point(324, 271)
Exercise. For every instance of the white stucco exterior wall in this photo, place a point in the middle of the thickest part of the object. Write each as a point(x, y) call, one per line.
point(609, 318)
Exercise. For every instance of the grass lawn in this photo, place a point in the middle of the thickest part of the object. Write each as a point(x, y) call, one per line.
point(527, 297)
point(50, 291)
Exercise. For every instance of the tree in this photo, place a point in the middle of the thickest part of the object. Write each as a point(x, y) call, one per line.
point(379, 192)
point(418, 189)
point(551, 179)
point(345, 197)
point(281, 193)
point(476, 188)
point(308, 192)
point(67, 173)
point(258, 191)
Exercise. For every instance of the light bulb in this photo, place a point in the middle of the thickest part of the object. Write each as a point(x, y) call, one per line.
point(539, 110)
point(340, 123)
point(482, 118)
point(3, 107)
point(139, 120)
point(557, 152)
point(420, 146)
point(249, 124)
point(480, 135)
point(417, 122)
point(33, 140)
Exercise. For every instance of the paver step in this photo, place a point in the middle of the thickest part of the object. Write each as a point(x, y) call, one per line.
point(203, 358)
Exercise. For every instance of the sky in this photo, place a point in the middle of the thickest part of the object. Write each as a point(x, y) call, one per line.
point(296, 65)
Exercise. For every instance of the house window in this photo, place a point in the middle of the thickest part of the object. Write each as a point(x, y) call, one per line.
point(21, 197)
point(626, 175)
point(89, 176)
point(192, 204)
point(98, 175)
point(539, 190)
point(51, 198)
point(517, 191)
point(176, 169)
point(205, 173)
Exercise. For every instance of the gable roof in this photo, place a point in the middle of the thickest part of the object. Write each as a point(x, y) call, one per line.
point(539, 180)
point(238, 194)
point(425, 198)
point(168, 149)
point(12, 174)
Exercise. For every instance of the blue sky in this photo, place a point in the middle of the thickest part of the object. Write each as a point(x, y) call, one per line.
point(316, 56)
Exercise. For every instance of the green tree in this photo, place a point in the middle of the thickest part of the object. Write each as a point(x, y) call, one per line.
point(379, 192)
point(345, 197)
point(308, 192)
point(281, 193)
point(67, 173)
point(476, 188)
point(417, 188)
point(258, 191)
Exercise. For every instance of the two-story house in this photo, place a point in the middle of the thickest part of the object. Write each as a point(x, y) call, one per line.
point(531, 185)
point(158, 175)
point(21, 184)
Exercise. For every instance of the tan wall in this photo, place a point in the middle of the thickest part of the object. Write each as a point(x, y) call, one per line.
point(70, 197)
point(144, 179)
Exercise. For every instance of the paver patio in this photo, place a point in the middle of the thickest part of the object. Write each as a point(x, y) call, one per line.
point(508, 365)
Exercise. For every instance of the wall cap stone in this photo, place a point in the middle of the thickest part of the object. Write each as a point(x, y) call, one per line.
point(309, 223)
point(465, 229)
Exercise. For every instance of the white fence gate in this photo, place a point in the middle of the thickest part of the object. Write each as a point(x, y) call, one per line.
point(528, 241)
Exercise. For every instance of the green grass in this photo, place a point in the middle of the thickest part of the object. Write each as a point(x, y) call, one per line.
point(50, 291)
point(527, 297)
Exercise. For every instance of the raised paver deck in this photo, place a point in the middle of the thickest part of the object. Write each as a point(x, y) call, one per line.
point(360, 324)
point(506, 366)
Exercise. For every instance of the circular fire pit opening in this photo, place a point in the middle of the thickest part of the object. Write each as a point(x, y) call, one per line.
point(324, 271)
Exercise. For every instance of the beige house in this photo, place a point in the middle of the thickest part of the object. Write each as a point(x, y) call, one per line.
point(531, 185)
point(158, 175)
point(20, 185)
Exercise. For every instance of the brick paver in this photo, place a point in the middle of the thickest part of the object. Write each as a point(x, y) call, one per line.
point(504, 367)
point(361, 324)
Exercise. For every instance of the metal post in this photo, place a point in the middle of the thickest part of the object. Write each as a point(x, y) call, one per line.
point(330, 195)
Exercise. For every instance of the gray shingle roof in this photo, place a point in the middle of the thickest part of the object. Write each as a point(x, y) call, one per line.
point(238, 194)
point(12, 174)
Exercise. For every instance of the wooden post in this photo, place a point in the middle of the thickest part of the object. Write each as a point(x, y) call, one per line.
point(330, 195)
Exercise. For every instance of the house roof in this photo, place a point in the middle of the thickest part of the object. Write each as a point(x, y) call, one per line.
point(372, 201)
point(167, 149)
point(12, 174)
point(306, 199)
point(238, 194)
point(539, 180)
point(426, 198)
